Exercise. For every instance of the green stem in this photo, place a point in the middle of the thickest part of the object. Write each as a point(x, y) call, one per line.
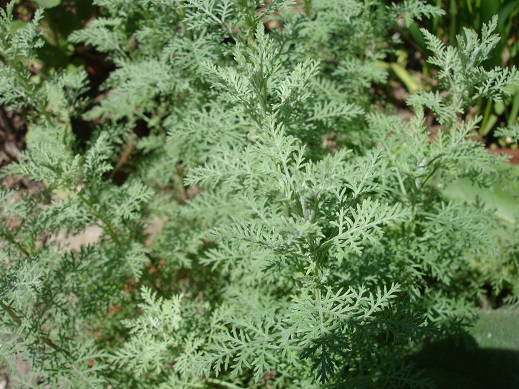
point(29, 88)
point(111, 232)
point(109, 228)
point(10, 311)
point(452, 27)
point(318, 303)
point(249, 20)
point(17, 244)
point(398, 175)
point(367, 26)
point(428, 177)
point(486, 115)
point(223, 384)
point(308, 8)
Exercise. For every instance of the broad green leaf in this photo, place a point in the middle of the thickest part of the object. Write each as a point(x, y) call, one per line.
point(48, 3)
point(504, 198)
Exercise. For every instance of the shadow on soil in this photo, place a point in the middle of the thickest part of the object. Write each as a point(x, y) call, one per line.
point(452, 366)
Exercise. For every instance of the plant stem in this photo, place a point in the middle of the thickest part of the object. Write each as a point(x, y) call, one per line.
point(452, 27)
point(17, 244)
point(308, 8)
point(223, 383)
point(10, 311)
point(109, 228)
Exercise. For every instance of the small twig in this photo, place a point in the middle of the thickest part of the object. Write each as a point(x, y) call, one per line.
point(8, 135)
point(224, 384)
point(10, 311)
point(5, 122)
point(127, 151)
point(11, 240)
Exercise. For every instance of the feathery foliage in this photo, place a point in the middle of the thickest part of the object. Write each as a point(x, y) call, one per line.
point(304, 237)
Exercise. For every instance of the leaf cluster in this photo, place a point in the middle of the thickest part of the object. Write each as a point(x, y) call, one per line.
point(269, 226)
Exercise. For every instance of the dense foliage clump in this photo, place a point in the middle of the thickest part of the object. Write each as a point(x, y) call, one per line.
point(304, 239)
